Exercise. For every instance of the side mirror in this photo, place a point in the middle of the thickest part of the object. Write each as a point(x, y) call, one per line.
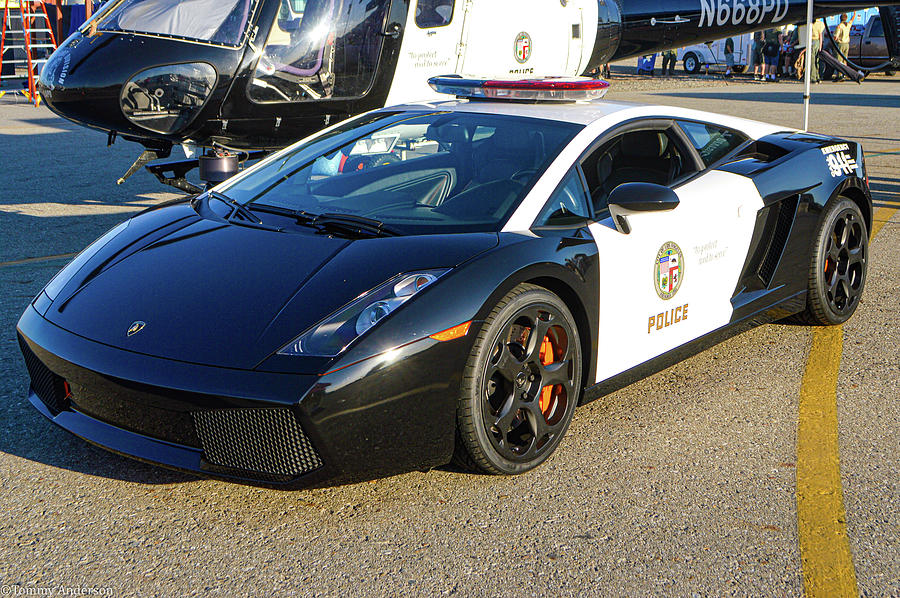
point(633, 198)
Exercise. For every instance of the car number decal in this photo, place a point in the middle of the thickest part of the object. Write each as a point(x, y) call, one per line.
point(839, 160)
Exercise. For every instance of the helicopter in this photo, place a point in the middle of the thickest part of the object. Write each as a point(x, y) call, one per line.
point(228, 79)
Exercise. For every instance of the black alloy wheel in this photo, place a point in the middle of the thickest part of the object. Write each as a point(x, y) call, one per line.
point(838, 270)
point(521, 384)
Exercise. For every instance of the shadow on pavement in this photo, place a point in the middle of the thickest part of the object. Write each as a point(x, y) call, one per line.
point(885, 192)
point(793, 97)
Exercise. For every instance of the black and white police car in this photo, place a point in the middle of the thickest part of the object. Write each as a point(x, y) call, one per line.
point(442, 279)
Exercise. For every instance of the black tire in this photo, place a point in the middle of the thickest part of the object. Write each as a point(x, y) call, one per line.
point(509, 420)
point(837, 271)
point(739, 68)
point(826, 71)
point(691, 63)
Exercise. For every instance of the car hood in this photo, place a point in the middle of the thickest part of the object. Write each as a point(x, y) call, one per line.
point(220, 294)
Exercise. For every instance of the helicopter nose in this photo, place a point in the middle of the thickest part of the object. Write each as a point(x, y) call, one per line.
point(114, 83)
point(72, 86)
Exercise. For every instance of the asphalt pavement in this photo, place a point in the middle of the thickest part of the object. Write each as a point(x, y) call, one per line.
point(681, 484)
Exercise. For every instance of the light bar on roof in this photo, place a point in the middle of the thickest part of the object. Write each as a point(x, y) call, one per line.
point(558, 89)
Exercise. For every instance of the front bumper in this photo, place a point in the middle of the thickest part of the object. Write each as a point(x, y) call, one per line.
point(388, 414)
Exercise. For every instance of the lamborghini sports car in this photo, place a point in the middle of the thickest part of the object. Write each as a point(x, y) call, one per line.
point(441, 282)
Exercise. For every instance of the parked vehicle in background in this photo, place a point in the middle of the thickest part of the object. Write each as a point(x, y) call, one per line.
point(868, 47)
point(713, 53)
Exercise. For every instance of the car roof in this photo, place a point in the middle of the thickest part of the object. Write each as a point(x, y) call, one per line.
point(586, 113)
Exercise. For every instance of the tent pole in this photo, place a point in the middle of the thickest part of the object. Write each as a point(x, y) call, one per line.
point(810, 64)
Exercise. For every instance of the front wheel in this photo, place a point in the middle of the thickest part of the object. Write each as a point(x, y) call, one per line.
point(691, 63)
point(837, 273)
point(521, 384)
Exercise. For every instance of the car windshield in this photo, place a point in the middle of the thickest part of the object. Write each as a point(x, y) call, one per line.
point(415, 173)
point(214, 21)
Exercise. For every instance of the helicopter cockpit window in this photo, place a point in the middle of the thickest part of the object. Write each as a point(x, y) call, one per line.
point(433, 13)
point(213, 21)
point(320, 49)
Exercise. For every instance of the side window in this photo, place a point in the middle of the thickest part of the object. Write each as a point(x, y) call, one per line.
point(877, 29)
point(433, 13)
point(713, 143)
point(643, 156)
point(567, 205)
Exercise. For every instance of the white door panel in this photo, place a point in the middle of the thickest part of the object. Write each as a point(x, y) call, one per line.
point(712, 227)
point(526, 37)
point(426, 52)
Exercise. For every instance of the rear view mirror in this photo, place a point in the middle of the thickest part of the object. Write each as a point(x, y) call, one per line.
point(633, 198)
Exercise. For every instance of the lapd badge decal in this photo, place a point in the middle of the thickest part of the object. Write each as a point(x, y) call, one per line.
point(522, 47)
point(668, 270)
point(135, 328)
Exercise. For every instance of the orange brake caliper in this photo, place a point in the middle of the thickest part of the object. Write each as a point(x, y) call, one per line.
point(546, 357)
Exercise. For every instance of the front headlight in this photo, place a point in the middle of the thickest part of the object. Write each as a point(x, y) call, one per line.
point(165, 99)
point(331, 335)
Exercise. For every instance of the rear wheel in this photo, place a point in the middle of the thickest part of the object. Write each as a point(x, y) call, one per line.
point(691, 63)
point(521, 384)
point(837, 273)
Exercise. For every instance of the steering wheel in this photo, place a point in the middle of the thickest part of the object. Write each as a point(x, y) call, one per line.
point(525, 172)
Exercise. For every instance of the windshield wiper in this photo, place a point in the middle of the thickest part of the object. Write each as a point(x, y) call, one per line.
point(357, 225)
point(302, 216)
point(241, 214)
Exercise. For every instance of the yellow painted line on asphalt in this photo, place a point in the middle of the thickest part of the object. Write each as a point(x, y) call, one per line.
point(825, 556)
point(821, 522)
point(32, 260)
point(880, 218)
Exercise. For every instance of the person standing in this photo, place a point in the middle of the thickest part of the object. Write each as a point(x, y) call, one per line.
point(842, 37)
point(669, 58)
point(729, 57)
point(812, 56)
point(756, 59)
point(787, 52)
point(771, 50)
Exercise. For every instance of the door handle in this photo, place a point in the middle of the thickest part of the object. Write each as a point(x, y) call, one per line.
point(392, 31)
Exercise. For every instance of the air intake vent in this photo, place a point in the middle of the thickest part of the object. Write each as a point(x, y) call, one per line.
point(49, 387)
point(268, 441)
point(786, 210)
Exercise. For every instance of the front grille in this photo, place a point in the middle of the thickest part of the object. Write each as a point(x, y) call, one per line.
point(268, 441)
point(49, 387)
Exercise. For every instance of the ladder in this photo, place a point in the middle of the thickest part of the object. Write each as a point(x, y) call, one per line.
point(27, 33)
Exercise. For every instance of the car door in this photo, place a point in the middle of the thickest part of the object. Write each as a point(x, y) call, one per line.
point(874, 44)
point(431, 41)
point(526, 37)
point(671, 278)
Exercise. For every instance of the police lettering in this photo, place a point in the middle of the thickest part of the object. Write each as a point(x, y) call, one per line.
point(667, 318)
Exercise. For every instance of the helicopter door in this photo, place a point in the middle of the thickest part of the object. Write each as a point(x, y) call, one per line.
point(319, 49)
point(430, 47)
point(526, 37)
